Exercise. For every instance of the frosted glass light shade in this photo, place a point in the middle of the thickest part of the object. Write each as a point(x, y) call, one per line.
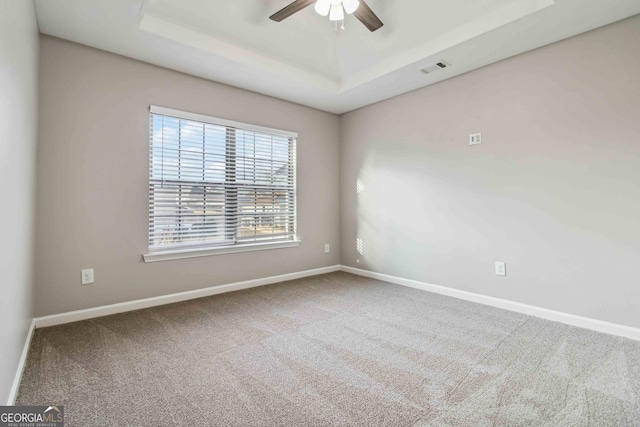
point(336, 13)
point(323, 7)
point(350, 6)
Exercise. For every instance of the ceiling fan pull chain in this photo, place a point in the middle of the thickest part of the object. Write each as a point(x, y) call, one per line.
point(343, 24)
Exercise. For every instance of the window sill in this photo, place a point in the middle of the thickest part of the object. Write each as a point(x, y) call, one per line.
point(196, 253)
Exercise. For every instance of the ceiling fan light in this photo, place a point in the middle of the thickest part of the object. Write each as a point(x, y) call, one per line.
point(350, 6)
point(323, 7)
point(336, 13)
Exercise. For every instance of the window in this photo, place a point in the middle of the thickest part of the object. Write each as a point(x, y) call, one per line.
point(217, 184)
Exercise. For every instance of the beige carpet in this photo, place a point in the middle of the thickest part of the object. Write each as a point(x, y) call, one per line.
point(332, 350)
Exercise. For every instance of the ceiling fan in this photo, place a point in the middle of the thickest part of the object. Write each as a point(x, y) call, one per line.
point(335, 9)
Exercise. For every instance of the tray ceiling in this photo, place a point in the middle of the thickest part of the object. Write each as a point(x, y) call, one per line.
point(304, 60)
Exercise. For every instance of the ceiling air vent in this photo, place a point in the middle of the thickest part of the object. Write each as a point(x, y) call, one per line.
point(435, 67)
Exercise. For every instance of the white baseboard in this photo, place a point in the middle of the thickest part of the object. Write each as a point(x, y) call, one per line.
point(90, 313)
point(21, 365)
point(556, 316)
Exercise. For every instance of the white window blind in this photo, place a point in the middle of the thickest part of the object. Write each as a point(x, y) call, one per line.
point(214, 182)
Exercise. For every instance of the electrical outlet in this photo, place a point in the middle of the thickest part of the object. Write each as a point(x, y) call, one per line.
point(87, 276)
point(501, 268)
point(327, 248)
point(475, 139)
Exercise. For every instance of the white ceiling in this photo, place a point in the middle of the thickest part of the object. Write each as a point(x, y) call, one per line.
point(304, 60)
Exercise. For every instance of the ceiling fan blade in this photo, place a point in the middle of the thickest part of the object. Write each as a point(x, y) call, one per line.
point(367, 17)
point(287, 11)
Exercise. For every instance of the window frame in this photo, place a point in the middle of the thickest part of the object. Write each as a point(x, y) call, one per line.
point(208, 249)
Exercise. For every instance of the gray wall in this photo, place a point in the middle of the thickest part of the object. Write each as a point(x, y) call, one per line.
point(93, 179)
point(554, 190)
point(18, 118)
